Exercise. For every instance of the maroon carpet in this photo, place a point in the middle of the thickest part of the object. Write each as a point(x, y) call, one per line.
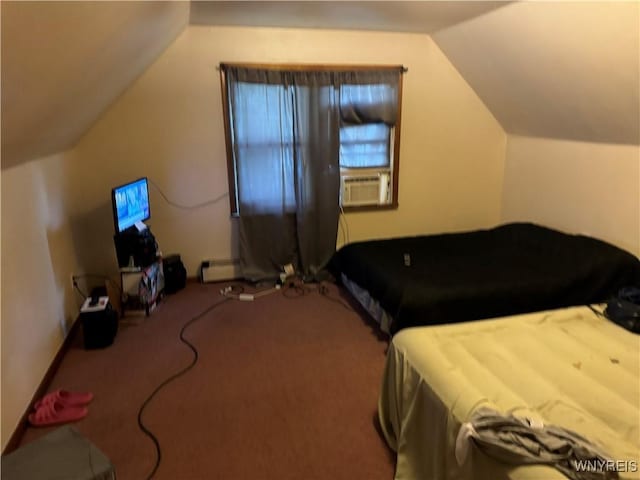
point(284, 388)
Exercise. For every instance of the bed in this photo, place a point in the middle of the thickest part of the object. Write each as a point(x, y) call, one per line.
point(567, 367)
point(453, 277)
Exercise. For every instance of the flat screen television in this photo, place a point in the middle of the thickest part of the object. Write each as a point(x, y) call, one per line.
point(130, 204)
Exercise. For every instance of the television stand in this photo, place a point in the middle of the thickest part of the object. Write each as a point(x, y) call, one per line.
point(142, 288)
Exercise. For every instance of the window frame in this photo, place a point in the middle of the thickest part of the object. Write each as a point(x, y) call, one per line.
point(232, 176)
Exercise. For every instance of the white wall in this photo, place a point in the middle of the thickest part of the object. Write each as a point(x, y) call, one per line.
point(168, 126)
point(576, 187)
point(38, 305)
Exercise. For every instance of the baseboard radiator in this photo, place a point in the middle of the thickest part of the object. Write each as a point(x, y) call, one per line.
point(219, 270)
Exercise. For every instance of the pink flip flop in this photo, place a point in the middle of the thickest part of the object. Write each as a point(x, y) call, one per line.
point(65, 398)
point(54, 413)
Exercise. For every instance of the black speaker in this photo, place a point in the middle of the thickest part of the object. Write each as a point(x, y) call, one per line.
point(175, 275)
point(99, 322)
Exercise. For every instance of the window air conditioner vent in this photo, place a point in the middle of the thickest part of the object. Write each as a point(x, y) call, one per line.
point(365, 190)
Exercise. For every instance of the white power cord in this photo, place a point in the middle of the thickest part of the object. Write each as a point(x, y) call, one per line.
point(247, 297)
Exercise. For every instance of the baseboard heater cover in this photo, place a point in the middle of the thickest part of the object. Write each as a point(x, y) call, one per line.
point(219, 270)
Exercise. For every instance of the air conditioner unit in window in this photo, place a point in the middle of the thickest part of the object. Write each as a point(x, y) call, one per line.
point(362, 190)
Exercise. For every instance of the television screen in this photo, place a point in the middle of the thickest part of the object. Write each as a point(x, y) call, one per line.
point(130, 204)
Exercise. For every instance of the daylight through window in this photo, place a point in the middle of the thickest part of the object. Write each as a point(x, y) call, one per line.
point(270, 116)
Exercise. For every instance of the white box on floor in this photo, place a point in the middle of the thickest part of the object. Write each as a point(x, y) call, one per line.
point(219, 270)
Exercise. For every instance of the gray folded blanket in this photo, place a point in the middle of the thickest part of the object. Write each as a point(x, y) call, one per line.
point(518, 441)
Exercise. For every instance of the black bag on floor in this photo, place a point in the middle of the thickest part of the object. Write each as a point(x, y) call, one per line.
point(175, 275)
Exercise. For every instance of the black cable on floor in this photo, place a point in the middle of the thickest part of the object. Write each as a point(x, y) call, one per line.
point(113, 283)
point(84, 295)
point(144, 429)
point(324, 291)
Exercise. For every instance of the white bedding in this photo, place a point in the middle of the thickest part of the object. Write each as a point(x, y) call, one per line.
point(567, 367)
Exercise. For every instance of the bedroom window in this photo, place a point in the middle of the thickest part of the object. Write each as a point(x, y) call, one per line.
point(368, 164)
point(275, 114)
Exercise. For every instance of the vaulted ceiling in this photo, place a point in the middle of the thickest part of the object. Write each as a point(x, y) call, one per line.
point(566, 70)
point(394, 16)
point(548, 69)
point(64, 63)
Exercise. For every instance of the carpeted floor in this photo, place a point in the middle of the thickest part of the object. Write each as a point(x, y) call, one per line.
point(284, 388)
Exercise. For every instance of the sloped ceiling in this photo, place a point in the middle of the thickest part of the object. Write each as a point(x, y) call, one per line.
point(63, 63)
point(564, 70)
point(553, 69)
point(398, 16)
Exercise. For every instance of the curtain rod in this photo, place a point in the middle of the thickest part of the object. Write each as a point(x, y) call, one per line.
point(310, 68)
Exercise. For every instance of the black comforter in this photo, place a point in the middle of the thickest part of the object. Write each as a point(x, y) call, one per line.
point(511, 269)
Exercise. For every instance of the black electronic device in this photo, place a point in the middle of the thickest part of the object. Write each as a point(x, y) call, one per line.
point(135, 248)
point(624, 309)
point(130, 204)
point(99, 323)
point(135, 244)
point(175, 275)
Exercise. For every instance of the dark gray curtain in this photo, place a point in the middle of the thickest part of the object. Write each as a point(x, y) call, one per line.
point(286, 140)
point(317, 172)
point(261, 110)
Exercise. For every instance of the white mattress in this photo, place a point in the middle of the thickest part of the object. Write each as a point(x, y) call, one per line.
point(566, 367)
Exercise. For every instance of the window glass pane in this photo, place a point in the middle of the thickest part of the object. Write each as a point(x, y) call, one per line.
point(265, 179)
point(262, 133)
point(258, 114)
point(364, 146)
